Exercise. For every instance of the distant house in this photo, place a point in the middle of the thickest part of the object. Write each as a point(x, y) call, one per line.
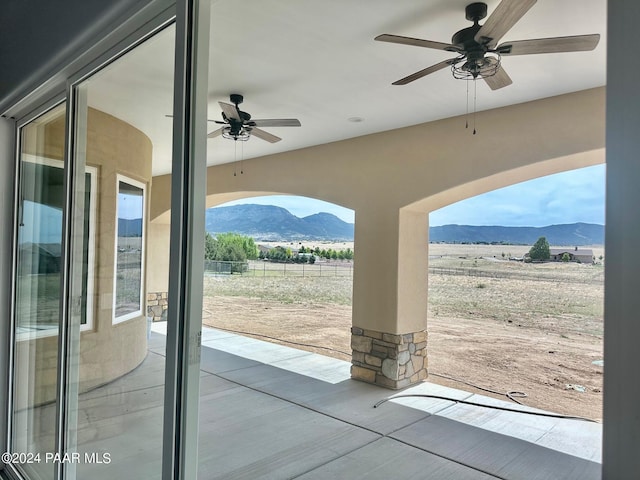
point(584, 255)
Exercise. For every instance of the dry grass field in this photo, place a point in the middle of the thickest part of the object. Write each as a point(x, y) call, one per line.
point(493, 323)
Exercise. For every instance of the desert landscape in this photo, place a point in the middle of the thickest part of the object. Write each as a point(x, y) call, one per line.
point(495, 325)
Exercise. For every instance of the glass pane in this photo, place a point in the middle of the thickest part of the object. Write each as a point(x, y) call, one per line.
point(37, 302)
point(123, 133)
point(130, 217)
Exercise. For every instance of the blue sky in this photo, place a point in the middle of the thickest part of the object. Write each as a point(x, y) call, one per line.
point(568, 197)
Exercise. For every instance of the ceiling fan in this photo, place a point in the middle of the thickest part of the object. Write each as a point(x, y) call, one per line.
point(477, 46)
point(239, 126)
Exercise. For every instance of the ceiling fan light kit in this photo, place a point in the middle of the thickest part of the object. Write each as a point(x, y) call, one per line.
point(238, 125)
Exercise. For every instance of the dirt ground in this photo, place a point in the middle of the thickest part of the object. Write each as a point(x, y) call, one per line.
point(552, 364)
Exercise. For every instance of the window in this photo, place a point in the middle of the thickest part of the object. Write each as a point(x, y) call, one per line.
point(129, 254)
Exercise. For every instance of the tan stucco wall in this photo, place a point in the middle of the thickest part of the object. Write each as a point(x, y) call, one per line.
point(107, 351)
point(393, 179)
point(158, 256)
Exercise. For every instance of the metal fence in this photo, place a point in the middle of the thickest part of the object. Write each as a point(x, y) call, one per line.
point(472, 272)
point(271, 269)
point(257, 268)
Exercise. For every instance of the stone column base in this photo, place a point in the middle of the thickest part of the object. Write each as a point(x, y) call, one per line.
point(157, 305)
point(389, 360)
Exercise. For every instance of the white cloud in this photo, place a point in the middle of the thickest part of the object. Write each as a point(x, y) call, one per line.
point(568, 197)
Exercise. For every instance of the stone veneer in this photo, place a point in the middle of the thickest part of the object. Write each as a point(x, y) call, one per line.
point(157, 306)
point(388, 360)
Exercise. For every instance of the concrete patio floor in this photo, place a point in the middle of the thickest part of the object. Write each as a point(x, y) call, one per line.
point(269, 411)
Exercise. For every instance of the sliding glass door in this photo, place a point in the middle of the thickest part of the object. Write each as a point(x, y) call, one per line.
point(38, 292)
point(88, 374)
point(116, 369)
point(103, 300)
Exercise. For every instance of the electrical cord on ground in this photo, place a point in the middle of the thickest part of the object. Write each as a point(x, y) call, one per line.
point(512, 395)
point(475, 404)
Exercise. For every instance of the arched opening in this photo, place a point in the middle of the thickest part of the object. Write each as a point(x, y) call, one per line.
point(501, 323)
point(280, 268)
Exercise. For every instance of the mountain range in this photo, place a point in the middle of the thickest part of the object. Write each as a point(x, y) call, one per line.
point(271, 223)
point(573, 234)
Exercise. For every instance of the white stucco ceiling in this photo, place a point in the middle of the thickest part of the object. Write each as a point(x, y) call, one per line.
point(318, 62)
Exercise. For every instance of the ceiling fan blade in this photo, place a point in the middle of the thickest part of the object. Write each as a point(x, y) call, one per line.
point(416, 42)
point(265, 135)
point(505, 16)
point(499, 80)
point(577, 43)
point(425, 72)
point(230, 111)
point(215, 133)
point(276, 122)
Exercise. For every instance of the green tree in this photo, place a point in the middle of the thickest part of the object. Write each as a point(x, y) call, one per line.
point(242, 242)
point(565, 257)
point(230, 247)
point(279, 254)
point(540, 250)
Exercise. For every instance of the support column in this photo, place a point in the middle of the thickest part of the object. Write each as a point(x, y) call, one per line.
point(388, 337)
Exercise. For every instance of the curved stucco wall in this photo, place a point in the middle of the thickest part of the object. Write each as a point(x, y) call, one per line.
point(107, 350)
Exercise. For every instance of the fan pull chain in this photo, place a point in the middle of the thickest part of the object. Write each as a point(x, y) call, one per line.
point(474, 105)
point(466, 115)
point(235, 156)
point(241, 158)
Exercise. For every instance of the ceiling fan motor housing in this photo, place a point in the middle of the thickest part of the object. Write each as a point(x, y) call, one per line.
point(465, 39)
